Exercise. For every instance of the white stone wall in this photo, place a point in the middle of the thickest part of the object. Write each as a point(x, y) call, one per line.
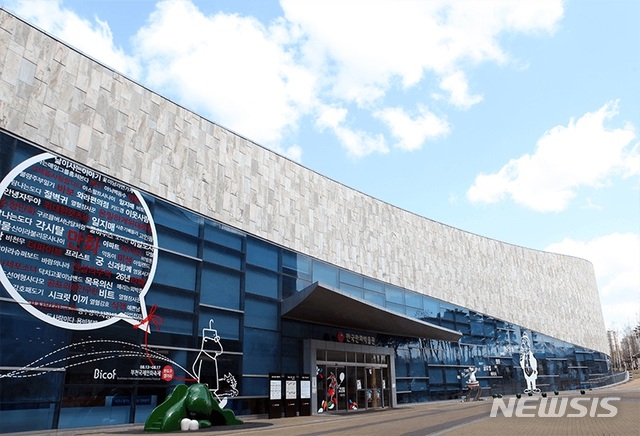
point(61, 100)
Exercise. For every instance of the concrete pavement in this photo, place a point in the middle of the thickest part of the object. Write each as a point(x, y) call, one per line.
point(446, 418)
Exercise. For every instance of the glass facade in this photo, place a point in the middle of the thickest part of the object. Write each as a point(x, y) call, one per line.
point(56, 377)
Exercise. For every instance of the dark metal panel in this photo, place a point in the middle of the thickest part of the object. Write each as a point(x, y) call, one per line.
point(322, 304)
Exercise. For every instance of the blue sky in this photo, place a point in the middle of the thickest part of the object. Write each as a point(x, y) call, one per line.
point(515, 120)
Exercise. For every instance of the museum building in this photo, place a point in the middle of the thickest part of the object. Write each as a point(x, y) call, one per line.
point(143, 246)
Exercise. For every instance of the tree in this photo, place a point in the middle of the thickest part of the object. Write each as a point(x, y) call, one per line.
point(630, 347)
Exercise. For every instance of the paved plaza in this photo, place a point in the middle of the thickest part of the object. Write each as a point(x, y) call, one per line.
point(438, 418)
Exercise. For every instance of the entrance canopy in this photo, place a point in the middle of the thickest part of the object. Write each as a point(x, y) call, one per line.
point(322, 304)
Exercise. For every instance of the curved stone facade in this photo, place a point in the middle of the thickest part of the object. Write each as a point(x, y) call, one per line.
point(65, 102)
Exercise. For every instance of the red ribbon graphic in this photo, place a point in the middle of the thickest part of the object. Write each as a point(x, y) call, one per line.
point(151, 318)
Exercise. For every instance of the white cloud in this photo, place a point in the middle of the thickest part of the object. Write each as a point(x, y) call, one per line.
point(294, 153)
point(616, 260)
point(413, 132)
point(231, 67)
point(92, 38)
point(589, 204)
point(363, 50)
point(586, 152)
point(370, 42)
point(458, 88)
point(262, 79)
point(356, 142)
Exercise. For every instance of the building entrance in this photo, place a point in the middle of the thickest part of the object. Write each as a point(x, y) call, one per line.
point(353, 387)
point(352, 379)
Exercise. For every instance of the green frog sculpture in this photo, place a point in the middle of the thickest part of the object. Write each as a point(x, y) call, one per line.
point(197, 406)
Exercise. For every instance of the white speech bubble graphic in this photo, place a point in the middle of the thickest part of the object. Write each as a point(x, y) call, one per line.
point(78, 250)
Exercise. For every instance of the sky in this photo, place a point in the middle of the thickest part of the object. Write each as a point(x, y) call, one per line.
point(514, 120)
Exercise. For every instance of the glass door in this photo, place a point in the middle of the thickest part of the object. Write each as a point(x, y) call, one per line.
point(341, 388)
point(377, 390)
point(352, 388)
point(351, 380)
point(374, 379)
point(335, 389)
point(361, 387)
point(384, 387)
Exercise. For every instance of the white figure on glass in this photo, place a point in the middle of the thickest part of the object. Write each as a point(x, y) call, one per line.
point(210, 349)
point(529, 365)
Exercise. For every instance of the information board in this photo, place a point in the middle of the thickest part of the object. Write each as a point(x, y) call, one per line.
point(275, 389)
point(291, 395)
point(291, 389)
point(305, 394)
point(275, 395)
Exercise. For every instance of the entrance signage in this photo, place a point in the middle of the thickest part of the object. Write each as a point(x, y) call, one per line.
point(351, 338)
point(305, 395)
point(275, 395)
point(291, 396)
point(78, 248)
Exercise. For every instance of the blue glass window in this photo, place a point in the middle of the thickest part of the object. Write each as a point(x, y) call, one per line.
point(222, 235)
point(477, 327)
point(325, 273)
point(20, 350)
point(296, 264)
point(436, 377)
point(222, 256)
point(261, 282)
point(516, 334)
point(225, 363)
point(396, 308)
point(12, 152)
point(176, 322)
point(374, 297)
point(402, 359)
point(462, 316)
point(417, 364)
point(176, 218)
point(261, 313)
point(262, 254)
point(373, 285)
point(394, 294)
point(402, 385)
point(176, 271)
point(465, 329)
point(490, 330)
point(174, 241)
point(431, 308)
point(447, 311)
point(351, 278)
point(255, 386)
point(353, 291)
point(261, 351)
point(291, 285)
point(220, 287)
point(413, 299)
point(418, 385)
point(19, 417)
point(227, 324)
point(452, 375)
point(170, 298)
point(291, 352)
